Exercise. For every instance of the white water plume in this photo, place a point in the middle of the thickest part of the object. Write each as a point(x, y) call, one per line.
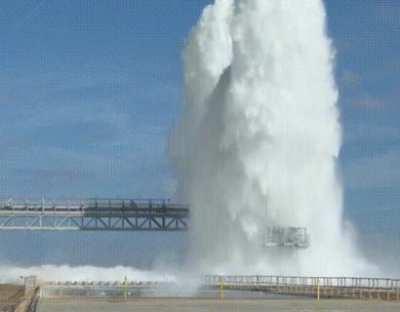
point(174, 283)
point(259, 139)
point(66, 273)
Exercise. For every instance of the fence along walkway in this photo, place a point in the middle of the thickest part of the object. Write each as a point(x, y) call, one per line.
point(319, 287)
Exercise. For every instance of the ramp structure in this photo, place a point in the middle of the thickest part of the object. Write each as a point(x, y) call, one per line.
point(93, 215)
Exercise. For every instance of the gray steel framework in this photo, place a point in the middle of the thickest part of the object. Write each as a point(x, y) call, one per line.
point(308, 286)
point(312, 281)
point(94, 215)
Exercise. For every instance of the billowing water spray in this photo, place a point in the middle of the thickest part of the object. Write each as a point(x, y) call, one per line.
point(259, 139)
point(87, 273)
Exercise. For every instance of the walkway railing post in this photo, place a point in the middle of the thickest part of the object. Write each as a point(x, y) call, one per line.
point(126, 288)
point(221, 288)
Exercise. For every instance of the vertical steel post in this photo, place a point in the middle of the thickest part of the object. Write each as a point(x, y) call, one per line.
point(125, 288)
point(41, 212)
point(221, 288)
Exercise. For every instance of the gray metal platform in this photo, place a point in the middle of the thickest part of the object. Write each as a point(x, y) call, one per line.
point(93, 215)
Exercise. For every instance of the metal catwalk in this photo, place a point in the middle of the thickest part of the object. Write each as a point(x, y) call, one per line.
point(93, 215)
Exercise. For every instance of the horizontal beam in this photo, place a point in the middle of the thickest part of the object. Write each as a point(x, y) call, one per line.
point(312, 281)
point(95, 215)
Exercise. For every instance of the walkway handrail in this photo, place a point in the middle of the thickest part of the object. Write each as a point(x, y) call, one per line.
point(304, 281)
point(35, 204)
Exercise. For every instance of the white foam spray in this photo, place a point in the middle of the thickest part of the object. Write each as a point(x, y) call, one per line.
point(259, 139)
point(66, 273)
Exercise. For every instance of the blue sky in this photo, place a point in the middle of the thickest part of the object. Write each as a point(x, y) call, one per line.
point(366, 36)
point(89, 91)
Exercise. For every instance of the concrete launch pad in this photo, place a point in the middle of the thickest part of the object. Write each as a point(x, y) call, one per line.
point(228, 305)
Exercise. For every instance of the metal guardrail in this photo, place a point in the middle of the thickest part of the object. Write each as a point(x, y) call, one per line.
point(306, 286)
point(93, 215)
point(98, 289)
point(258, 280)
point(116, 284)
point(86, 204)
point(313, 281)
point(313, 286)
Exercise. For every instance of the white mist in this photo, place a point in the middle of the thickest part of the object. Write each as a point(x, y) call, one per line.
point(259, 139)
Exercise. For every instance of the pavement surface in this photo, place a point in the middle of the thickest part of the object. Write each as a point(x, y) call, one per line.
point(203, 305)
point(10, 297)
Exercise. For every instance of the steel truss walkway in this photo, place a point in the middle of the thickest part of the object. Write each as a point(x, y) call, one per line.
point(94, 215)
point(304, 286)
point(318, 287)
